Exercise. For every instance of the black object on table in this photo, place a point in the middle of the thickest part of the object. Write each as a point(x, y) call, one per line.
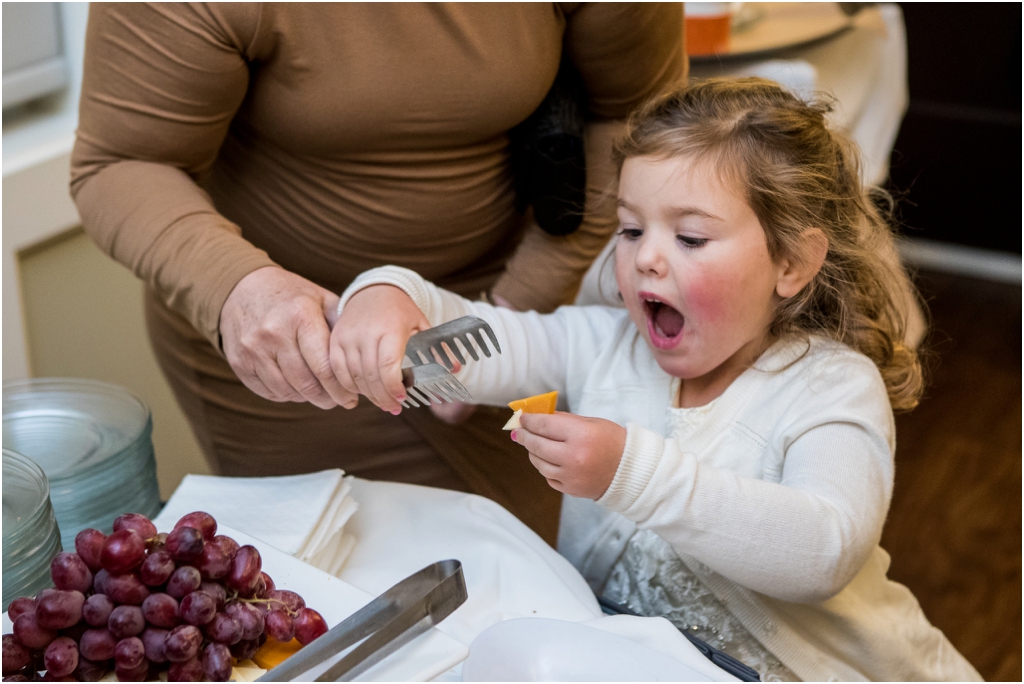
point(719, 658)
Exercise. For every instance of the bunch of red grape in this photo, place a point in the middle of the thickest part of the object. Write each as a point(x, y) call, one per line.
point(192, 602)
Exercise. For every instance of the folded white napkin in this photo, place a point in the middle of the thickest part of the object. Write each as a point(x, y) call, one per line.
point(302, 515)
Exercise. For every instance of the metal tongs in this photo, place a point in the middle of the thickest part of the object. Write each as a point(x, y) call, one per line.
point(431, 381)
point(380, 628)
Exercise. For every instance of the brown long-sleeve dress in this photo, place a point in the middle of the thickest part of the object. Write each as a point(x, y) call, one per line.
point(326, 139)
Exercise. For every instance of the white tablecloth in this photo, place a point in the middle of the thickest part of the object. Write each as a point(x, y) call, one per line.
point(510, 573)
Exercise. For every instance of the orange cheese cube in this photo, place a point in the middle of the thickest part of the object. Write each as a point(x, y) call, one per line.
point(273, 653)
point(540, 403)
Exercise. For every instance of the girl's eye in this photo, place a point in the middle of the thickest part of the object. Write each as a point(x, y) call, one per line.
point(691, 242)
point(630, 233)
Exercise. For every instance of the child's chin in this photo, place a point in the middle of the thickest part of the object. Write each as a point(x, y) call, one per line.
point(674, 366)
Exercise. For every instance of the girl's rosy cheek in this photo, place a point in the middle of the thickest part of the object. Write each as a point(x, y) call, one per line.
point(710, 295)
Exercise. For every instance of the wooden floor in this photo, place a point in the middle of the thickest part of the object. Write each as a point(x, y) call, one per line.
point(954, 530)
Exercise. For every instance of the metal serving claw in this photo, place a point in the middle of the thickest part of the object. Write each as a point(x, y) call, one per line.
point(429, 346)
point(431, 383)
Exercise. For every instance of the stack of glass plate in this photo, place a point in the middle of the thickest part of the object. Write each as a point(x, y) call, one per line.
point(94, 442)
point(31, 536)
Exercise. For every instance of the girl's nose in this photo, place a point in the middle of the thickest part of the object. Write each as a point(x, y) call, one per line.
point(650, 256)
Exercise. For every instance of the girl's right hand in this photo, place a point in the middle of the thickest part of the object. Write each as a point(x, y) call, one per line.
point(368, 344)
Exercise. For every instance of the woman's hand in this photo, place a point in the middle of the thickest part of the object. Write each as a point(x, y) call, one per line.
point(275, 334)
point(577, 455)
point(368, 343)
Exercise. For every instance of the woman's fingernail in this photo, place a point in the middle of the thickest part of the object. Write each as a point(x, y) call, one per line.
point(514, 436)
point(395, 412)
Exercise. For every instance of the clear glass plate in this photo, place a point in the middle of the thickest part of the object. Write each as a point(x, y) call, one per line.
point(94, 442)
point(31, 536)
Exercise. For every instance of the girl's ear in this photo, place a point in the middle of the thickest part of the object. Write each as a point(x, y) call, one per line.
point(807, 260)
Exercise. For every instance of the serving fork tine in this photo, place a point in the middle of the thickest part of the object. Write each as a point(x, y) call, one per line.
point(429, 346)
point(431, 383)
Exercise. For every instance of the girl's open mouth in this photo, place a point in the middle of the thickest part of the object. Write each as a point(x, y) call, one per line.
point(664, 323)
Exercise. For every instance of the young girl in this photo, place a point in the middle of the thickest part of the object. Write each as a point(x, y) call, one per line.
point(728, 445)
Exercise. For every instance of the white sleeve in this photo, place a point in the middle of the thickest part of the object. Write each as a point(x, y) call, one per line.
point(801, 540)
point(537, 353)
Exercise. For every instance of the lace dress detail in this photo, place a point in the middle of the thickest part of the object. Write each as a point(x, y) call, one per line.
point(652, 579)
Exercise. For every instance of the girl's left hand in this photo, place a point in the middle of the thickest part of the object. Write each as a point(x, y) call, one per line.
point(577, 455)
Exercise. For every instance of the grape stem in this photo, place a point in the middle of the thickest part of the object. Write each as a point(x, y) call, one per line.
point(284, 606)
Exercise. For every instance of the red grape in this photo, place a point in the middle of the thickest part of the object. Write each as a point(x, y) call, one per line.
point(248, 617)
point(228, 545)
point(309, 625)
point(245, 649)
point(89, 671)
point(22, 604)
point(99, 581)
point(153, 640)
point(245, 568)
point(198, 608)
point(74, 631)
point(59, 609)
point(126, 621)
point(70, 572)
point(198, 520)
point(269, 582)
point(160, 610)
point(280, 626)
point(217, 662)
point(223, 629)
point(156, 569)
point(258, 589)
point(137, 522)
point(61, 657)
point(45, 593)
point(129, 653)
point(16, 656)
point(217, 591)
point(123, 551)
point(140, 673)
point(89, 546)
point(214, 563)
point(30, 634)
point(96, 610)
point(97, 644)
point(287, 600)
point(184, 580)
point(126, 588)
point(183, 643)
point(185, 544)
point(190, 670)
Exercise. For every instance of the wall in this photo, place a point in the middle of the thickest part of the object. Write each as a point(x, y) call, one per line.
point(68, 310)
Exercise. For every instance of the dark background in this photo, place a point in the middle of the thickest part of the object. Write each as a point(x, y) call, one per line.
point(956, 168)
point(954, 527)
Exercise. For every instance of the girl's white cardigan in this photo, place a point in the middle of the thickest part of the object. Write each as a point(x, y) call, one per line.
point(776, 502)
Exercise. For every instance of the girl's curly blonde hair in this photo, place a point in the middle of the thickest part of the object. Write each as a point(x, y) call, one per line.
point(798, 173)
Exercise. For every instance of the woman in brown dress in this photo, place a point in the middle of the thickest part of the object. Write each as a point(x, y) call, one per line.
point(248, 160)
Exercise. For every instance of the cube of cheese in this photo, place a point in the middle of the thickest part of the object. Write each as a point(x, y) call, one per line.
point(540, 403)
